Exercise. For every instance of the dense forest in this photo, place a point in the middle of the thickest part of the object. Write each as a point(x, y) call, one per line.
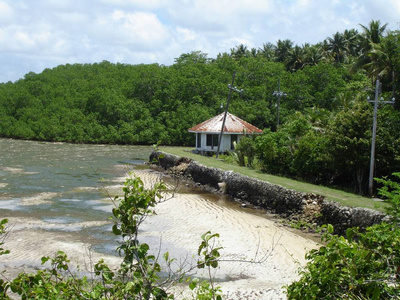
point(325, 121)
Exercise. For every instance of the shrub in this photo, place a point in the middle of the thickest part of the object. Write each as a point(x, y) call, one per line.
point(356, 266)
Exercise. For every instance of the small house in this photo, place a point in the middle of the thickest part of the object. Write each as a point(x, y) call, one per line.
point(208, 132)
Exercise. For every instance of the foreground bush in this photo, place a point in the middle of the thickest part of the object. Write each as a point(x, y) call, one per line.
point(358, 266)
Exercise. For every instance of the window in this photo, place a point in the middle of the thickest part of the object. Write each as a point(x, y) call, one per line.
point(198, 140)
point(215, 140)
point(209, 140)
point(212, 140)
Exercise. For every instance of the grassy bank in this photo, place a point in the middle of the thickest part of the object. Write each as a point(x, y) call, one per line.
point(330, 194)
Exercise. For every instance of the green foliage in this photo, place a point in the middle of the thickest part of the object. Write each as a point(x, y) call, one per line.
point(208, 251)
point(203, 290)
point(331, 150)
point(54, 282)
point(245, 152)
point(391, 193)
point(3, 284)
point(326, 82)
point(273, 151)
point(350, 136)
point(3, 232)
point(138, 264)
point(209, 257)
point(343, 266)
point(360, 265)
point(312, 160)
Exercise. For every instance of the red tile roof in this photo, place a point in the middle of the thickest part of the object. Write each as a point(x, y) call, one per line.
point(233, 124)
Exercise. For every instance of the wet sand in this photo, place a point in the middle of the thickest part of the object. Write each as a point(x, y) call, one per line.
point(259, 256)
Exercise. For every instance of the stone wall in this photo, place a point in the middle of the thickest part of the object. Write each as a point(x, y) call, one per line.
point(271, 197)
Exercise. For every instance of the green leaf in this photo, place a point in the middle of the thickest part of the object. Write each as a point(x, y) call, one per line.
point(192, 285)
point(350, 234)
point(166, 256)
point(214, 264)
point(116, 230)
point(330, 228)
point(45, 259)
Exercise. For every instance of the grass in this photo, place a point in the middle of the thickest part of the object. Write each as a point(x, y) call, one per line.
point(339, 196)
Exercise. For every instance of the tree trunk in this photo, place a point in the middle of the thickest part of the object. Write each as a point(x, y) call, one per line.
point(359, 181)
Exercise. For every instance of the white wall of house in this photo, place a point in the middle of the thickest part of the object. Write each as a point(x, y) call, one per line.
point(209, 141)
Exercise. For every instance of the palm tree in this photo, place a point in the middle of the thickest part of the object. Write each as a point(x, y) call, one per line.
point(391, 46)
point(353, 41)
point(324, 47)
point(294, 59)
point(313, 55)
point(252, 53)
point(379, 65)
point(318, 118)
point(337, 47)
point(239, 51)
point(373, 33)
point(282, 49)
point(373, 57)
point(268, 51)
point(345, 100)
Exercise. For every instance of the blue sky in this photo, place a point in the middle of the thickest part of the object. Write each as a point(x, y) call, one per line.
point(39, 34)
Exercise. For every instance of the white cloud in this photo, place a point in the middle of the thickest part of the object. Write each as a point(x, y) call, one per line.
point(23, 39)
point(6, 12)
point(217, 16)
point(139, 29)
point(185, 35)
point(44, 33)
point(141, 4)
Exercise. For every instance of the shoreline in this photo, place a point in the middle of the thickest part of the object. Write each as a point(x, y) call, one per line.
point(178, 225)
point(287, 203)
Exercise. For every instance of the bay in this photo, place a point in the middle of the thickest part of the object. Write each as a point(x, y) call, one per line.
point(65, 186)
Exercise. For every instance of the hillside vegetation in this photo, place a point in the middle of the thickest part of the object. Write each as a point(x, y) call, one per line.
point(324, 130)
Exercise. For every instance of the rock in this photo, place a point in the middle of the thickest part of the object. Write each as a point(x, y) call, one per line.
point(222, 187)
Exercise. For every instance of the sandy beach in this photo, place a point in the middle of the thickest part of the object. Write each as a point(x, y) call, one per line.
point(259, 255)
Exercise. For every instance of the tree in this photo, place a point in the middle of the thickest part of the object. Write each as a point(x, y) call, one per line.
point(372, 34)
point(295, 59)
point(353, 41)
point(350, 136)
point(325, 82)
point(267, 51)
point(370, 59)
point(192, 57)
point(239, 51)
point(390, 48)
point(312, 160)
point(273, 152)
point(282, 49)
point(337, 47)
point(245, 151)
point(313, 55)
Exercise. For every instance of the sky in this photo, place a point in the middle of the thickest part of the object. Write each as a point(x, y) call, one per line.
point(40, 34)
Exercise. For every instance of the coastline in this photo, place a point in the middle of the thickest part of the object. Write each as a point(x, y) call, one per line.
point(289, 204)
point(261, 256)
